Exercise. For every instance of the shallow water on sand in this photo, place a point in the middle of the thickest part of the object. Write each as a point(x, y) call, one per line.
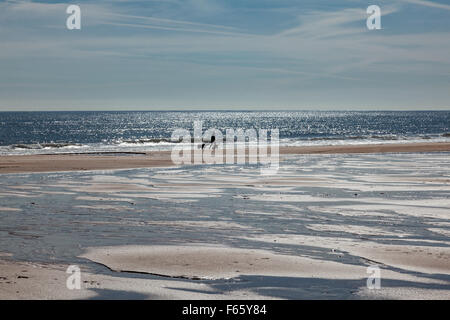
point(325, 207)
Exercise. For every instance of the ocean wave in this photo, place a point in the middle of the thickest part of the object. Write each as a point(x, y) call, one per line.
point(343, 138)
point(335, 138)
point(165, 144)
point(144, 141)
point(50, 145)
point(374, 138)
point(153, 141)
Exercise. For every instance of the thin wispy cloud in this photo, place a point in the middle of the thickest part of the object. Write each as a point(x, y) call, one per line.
point(168, 52)
point(171, 21)
point(170, 28)
point(318, 24)
point(134, 21)
point(429, 4)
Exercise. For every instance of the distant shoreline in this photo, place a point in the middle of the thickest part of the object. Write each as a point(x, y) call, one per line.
point(218, 109)
point(112, 161)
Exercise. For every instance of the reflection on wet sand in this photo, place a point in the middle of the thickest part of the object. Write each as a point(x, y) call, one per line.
point(320, 222)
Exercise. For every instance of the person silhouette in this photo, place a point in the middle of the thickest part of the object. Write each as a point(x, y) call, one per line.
point(211, 143)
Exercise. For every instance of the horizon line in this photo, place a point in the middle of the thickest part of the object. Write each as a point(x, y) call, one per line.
point(269, 109)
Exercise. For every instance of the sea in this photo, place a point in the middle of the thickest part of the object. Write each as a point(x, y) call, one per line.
point(24, 133)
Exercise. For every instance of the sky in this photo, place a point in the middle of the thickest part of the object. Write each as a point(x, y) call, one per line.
point(225, 54)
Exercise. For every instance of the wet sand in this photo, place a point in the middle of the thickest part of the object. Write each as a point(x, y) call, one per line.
point(227, 232)
point(83, 162)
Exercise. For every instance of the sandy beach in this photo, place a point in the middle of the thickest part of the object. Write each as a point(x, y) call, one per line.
point(71, 162)
point(225, 150)
point(153, 230)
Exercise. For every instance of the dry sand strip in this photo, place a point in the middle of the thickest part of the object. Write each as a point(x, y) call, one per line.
point(424, 259)
point(204, 261)
point(369, 148)
point(36, 281)
point(80, 162)
point(26, 280)
point(215, 262)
